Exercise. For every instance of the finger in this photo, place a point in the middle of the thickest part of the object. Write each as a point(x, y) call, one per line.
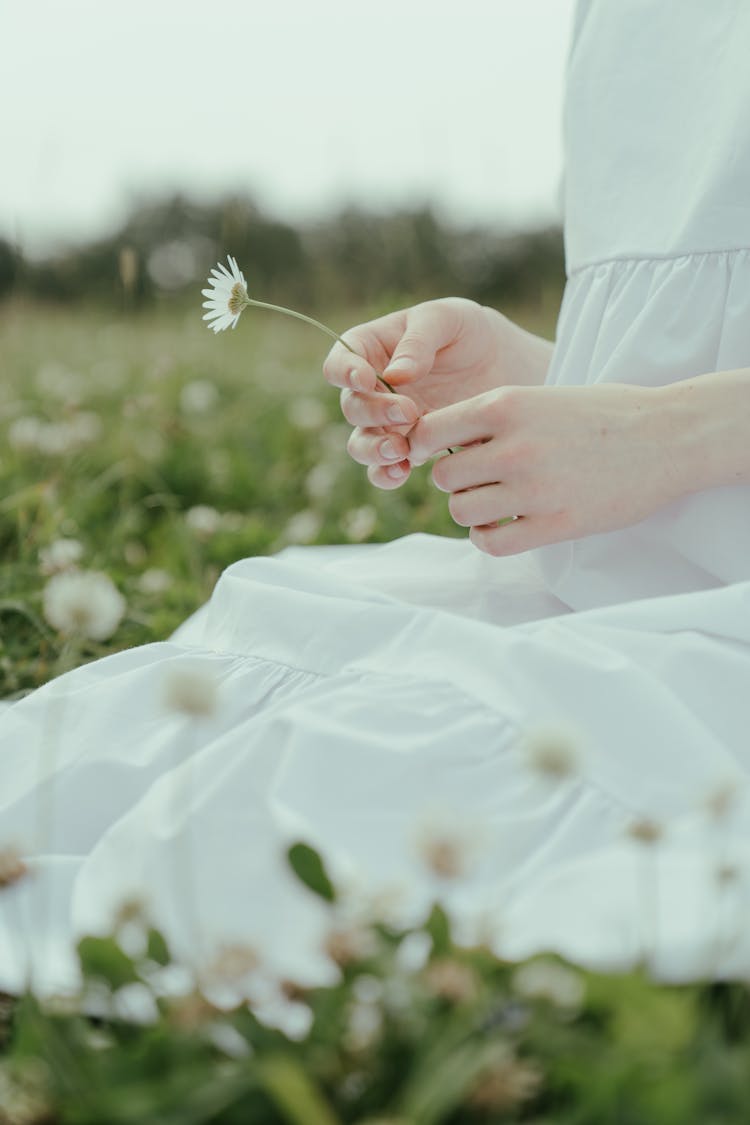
point(459, 424)
point(471, 467)
point(390, 476)
point(368, 349)
point(480, 506)
point(371, 447)
point(342, 368)
point(428, 328)
point(368, 410)
point(522, 534)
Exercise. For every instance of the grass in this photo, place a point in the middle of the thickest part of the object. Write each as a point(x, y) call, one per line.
point(171, 418)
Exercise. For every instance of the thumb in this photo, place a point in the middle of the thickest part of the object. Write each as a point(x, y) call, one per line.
point(414, 355)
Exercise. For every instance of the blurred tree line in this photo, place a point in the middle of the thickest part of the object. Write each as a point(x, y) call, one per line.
point(166, 247)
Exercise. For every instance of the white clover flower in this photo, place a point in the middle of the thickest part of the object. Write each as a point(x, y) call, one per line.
point(61, 554)
point(12, 866)
point(55, 438)
point(85, 427)
point(302, 527)
point(190, 688)
point(55, 381)
point(307, 413)
point(227, 296)
point(552, 750)
point(23, 434)
point(83, 603)
point(448, 846)
point(198, 396)
point(359, 523)
point(547, 980)
point(134, 553)
point(320, 481)
point(154, 581)
point(203, 520)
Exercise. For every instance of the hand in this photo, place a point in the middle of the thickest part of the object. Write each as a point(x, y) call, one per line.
point(567, 461)
point(435, 354)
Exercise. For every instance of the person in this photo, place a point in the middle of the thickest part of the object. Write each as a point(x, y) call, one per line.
point(566, 687)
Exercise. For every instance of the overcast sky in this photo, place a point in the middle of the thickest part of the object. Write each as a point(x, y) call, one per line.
point(304, 103)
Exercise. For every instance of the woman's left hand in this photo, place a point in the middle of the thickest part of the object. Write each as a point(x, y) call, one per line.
point(567, 461)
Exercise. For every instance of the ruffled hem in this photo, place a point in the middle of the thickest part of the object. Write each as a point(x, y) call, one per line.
point(349, 718)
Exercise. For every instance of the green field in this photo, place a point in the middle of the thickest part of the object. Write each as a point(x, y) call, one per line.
point(117, 427)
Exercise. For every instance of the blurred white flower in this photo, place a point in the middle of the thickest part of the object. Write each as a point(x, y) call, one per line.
point(320, 481)
point(448, 846)
point(23, 434)
point(302, 527)
point(55, 381)
point(226, 297)
point(359, 523)
point(190, 687)
point(85, 427)
point(154, 581)
point(548, 980)
point(61, 554)
point(12, 866)
point(203, 520)
point(233, 521)
point(552, 750)
point(83, 603)
point(150, 444)
point(349, 942)
point(450, 979)
point(364, 1026)
point(198, 396)
point(334, 438)
point(722, 799)
point(645, 831)
point(54, 438)
point(307, 413)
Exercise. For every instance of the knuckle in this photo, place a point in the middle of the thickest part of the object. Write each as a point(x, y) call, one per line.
point(490, 542)
point(458, 507)
point(346, 401)
point(440, 475)
point(354, 446)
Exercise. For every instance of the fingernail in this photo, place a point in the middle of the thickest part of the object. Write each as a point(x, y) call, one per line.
point(354, 381)
point(395, 413)
point(402, 363)
point(395, 471)
point(388, 450)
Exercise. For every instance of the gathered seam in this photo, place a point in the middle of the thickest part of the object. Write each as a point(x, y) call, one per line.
point(645, 258)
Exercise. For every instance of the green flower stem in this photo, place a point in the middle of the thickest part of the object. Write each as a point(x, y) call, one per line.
point(315, 324)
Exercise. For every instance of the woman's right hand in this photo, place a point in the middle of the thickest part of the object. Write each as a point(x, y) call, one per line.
point(433, 355)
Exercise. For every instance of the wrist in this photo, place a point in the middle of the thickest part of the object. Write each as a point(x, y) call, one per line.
point(523, 358)
point(706, 422)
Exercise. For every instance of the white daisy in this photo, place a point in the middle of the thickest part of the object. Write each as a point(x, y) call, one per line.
point(227, 296)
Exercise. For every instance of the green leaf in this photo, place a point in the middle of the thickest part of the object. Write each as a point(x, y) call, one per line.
point(102, 958)
point(157, 949)
point(294, 1093)
point(439, 928)
point(308, 866)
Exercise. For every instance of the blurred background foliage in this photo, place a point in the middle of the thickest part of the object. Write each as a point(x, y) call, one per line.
point(166, 246)
point(165, 453)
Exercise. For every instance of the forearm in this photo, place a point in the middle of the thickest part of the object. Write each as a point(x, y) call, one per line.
point(525, 355)
point(706, 426)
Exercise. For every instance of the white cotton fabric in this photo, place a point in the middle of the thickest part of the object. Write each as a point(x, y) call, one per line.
point(365, 690)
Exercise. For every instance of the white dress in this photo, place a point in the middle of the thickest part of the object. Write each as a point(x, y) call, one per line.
point(365, 690)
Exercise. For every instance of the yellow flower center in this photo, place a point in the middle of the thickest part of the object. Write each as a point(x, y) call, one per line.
point(237, 298)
